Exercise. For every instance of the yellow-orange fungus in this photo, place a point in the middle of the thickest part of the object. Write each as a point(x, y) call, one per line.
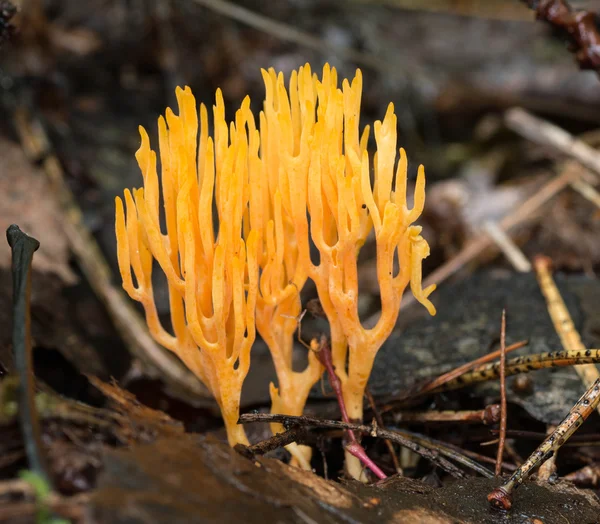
point(301, 174)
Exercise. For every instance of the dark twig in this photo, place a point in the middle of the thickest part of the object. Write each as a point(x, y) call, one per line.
point(323, 353)
point(279, 440)
point(501, 498)
point(443, 449)
point(489, 415)
point(23, 247)
point(374, 431)
point(502, 438)
point(580, 28)
point(380, 423)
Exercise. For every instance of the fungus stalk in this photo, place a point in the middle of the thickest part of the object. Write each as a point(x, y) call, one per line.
point(212, 281)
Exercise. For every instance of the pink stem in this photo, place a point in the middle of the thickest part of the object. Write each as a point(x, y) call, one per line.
point(354, 447)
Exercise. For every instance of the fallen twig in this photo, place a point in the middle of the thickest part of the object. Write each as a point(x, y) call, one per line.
point(548, 468)
point(279, 440)
point(510, 250)
point(502, 438)
point(489, 415)
point(587, 191)
point(448, 451)
point(501, 498)
point(374, 431)
point(290, 33)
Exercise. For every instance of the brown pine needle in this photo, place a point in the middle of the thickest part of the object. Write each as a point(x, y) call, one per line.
point(523, 364)
point(457, 372)
point(502, 438)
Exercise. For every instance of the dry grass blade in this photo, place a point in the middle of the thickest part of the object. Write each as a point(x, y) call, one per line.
point(563, 323)
point(502, 437)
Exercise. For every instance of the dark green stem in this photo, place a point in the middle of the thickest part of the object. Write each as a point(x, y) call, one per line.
point(23, 247)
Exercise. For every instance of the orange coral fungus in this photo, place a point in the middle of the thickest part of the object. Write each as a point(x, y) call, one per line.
point(213, 283)
point(325, 168)
point(304, 174)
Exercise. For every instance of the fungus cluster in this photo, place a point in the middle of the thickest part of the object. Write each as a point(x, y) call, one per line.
point(301, 176)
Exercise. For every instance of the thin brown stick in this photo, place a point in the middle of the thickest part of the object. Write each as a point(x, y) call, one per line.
point(443, 449)
point(373, 430)
point(379, 420)
point(587, 191)
point(482, 458)
point(489, 415)
point(536, 435)
point(502, 438)
point(521, 365)
point(501, 497)
point(461, 370)
point(279, 440)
